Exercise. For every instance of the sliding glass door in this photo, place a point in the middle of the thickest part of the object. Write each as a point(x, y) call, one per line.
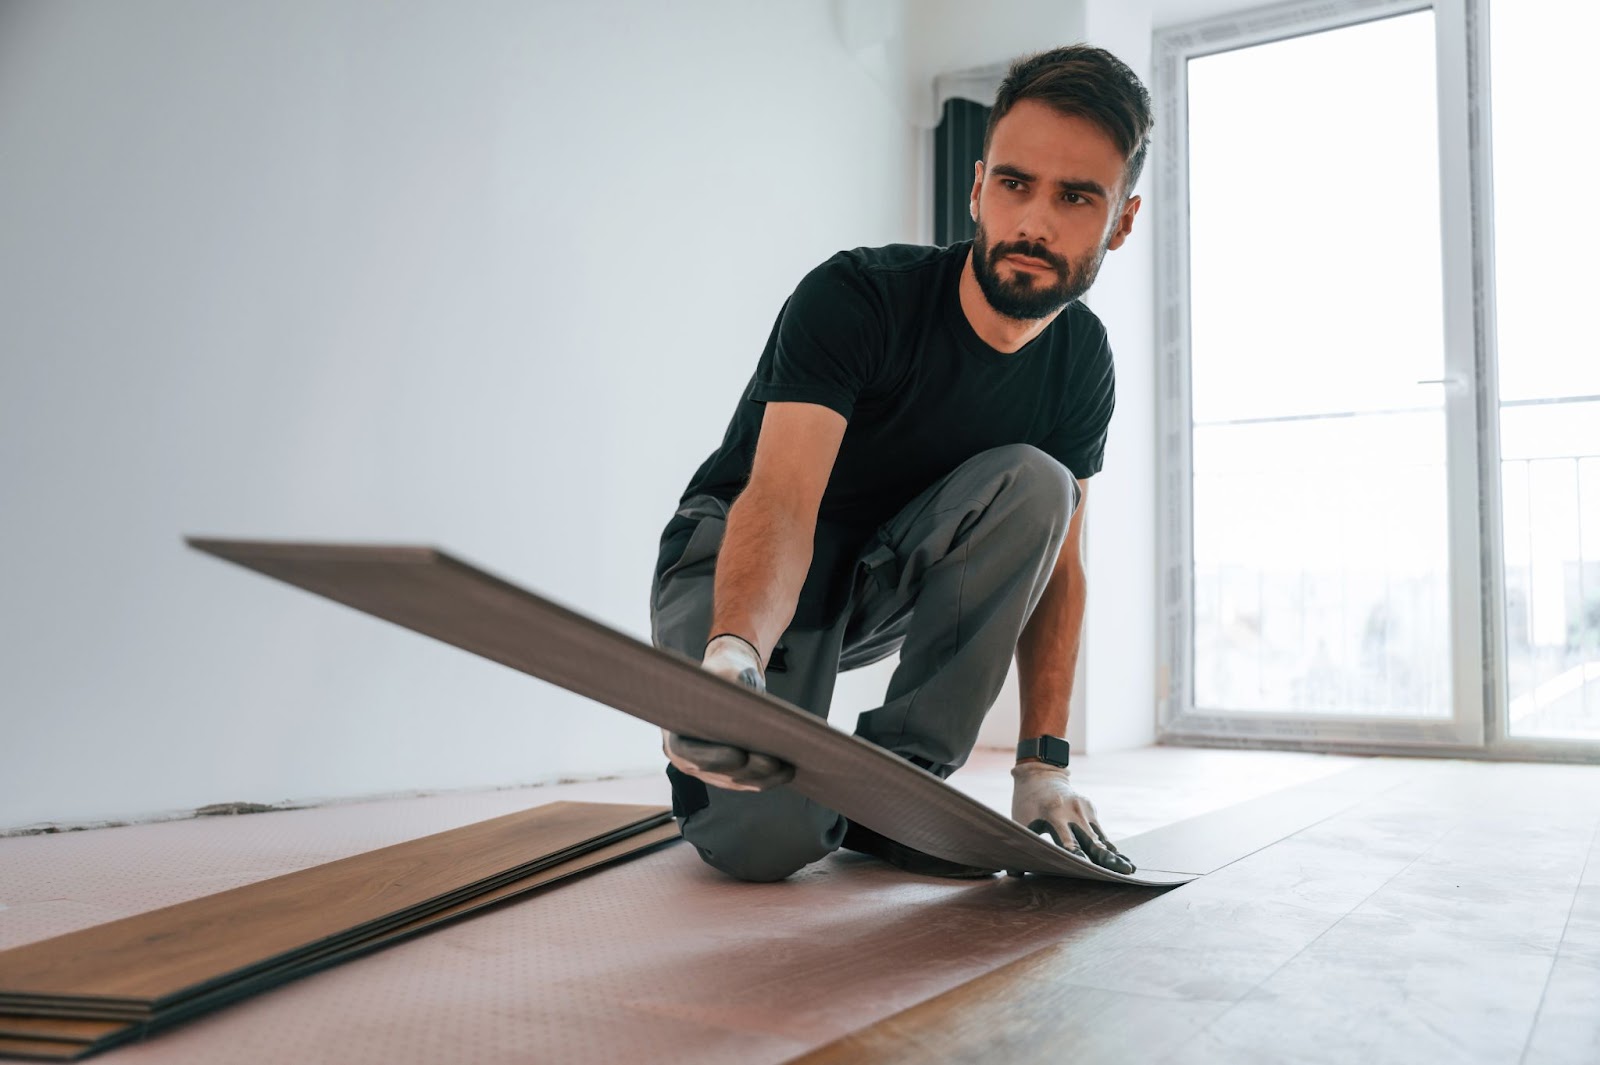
point(1547, 234)
point(1319, 348)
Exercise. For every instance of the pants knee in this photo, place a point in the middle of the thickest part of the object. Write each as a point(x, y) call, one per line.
point(757, 857)
point(761, 852)
point(1045, 477)
point(754, 867)
point(1046, 490)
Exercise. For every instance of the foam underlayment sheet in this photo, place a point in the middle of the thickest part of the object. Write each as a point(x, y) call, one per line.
point(45, 1037)
point(428, 591)
point(138, 965)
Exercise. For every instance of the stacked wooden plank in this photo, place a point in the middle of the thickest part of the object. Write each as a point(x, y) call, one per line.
point(74, 994)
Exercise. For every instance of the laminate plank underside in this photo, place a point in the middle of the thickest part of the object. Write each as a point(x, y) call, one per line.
point(70, 994)
point(427, 591)
point(1453, 918)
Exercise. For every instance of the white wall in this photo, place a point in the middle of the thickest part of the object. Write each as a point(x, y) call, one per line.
point(1119, 645)
point(487, 275)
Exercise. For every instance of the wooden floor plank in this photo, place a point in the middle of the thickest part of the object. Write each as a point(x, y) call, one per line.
point(430, 592)
point(632, 846)
point(107, 1033)
point(1206, 843)
point(1417, 925)
point(1567, 1029)
point(155, 956)
point(1445, 962)
point(63, 1029)
point(40, 1049)
point(984, 1022)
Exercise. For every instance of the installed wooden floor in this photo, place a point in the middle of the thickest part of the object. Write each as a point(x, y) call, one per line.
point(1453, 919)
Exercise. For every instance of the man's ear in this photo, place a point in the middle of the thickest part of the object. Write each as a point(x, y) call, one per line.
point(1124, 223)
point(977, 186)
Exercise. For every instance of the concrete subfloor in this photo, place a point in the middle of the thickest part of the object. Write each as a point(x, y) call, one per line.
point(660, 959)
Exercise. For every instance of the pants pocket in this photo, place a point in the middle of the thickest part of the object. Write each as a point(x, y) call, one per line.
point(876, 608)
point(705, 539)
point(680, 594)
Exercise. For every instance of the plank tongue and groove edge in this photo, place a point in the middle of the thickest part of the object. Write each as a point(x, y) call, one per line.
point(36, 1050)
point(428, 591)
point(139, 963)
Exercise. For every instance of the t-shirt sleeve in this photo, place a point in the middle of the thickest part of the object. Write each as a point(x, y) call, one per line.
point(1078, 440)
point(827, 342)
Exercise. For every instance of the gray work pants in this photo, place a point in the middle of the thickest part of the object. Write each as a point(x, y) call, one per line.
point(949, 582)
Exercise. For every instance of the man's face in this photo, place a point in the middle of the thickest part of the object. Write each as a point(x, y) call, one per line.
point(1051, 192)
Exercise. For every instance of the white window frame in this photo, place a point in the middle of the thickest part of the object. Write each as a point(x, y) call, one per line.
point(1471, 400)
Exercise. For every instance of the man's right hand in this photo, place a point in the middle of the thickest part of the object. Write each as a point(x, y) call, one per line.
point(718, 764)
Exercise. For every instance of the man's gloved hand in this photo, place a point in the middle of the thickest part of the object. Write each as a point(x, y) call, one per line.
point(717, 764)
point(1044, 800)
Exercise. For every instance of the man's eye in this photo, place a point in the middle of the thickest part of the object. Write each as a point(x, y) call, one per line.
point(1073, 197)
point(1008, 182)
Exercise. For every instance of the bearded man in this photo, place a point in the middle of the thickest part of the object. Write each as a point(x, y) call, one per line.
point(907, 471)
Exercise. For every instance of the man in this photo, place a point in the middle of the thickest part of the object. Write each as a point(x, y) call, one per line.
point(907, 471)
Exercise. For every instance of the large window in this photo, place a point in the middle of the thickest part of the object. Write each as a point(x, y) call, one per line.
point(1320, 553)
point(1368, 541)
point(1547, 234)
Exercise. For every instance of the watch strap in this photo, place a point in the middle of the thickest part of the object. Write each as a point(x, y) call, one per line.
point(1051, 749)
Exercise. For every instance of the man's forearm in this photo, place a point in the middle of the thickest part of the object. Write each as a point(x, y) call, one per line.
point(1047, 654)
point(761, 567)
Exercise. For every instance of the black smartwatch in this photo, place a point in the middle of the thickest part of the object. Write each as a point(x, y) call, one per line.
point(1051, 749)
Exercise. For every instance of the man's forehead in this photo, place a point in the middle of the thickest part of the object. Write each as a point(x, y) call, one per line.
point(1040, 140)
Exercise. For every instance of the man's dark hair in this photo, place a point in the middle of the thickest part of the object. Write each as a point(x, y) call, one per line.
point(1087, 82)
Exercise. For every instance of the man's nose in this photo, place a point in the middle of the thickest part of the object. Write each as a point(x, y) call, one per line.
point(1033, 229)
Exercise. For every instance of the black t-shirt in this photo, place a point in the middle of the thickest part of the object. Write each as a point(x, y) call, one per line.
point(878, 335)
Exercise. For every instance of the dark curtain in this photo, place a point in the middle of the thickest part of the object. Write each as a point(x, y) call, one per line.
point(957, 144)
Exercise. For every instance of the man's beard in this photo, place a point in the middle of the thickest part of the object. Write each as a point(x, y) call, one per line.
point(1025, 295)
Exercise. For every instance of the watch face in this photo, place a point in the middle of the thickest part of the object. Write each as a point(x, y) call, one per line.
point(1054, 750)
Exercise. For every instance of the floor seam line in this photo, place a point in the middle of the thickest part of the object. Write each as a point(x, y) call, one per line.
point(1318, 937)
point(1303, 828)
point(1533, 1025)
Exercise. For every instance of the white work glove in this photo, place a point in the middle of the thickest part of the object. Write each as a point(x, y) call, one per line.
point(719, 765)
point(1044, 800)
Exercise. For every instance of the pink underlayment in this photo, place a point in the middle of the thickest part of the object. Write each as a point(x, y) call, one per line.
point(660, 959)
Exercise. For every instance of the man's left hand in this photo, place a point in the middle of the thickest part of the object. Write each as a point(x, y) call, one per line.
point(1044, 800)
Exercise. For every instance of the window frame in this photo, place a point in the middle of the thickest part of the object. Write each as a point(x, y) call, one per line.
point(1471, 400)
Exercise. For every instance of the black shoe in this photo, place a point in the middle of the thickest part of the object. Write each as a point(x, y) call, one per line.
point(863, 840)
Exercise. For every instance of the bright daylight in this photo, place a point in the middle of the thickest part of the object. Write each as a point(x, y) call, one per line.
point(799, 532)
